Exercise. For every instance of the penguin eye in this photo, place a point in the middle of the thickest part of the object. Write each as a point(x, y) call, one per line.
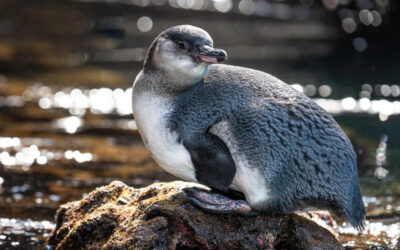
point(183, 45)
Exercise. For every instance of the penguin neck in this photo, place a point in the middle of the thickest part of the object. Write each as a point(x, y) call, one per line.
point(167, 83)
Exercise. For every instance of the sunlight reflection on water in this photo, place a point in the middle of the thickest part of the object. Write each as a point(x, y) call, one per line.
point(70, 124)
point(118, 101)
point(78, 156)
point(16, 154)
point(386, 233)
point(77, 101)
point(10, 228)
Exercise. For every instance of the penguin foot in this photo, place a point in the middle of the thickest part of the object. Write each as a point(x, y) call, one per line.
point(219, 204)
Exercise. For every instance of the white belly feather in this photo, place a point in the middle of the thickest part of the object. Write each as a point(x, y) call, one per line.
point(150, 116)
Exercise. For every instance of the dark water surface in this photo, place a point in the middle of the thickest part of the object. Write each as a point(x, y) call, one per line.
point(66, 68)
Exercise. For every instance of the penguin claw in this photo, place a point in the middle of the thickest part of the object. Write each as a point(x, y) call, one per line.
point(219, 204)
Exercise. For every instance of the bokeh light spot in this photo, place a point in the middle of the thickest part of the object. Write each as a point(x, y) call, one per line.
point(349, 25)
point(310, 90)
point(360, 44)
point(324, 90)
point(377, 18)
point(330, 4)
point(348, 103)
point(366, 17)
point(144, 24)
point(247, 7)
point(223, 5)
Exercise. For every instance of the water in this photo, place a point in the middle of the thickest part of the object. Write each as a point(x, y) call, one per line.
point(66, 69)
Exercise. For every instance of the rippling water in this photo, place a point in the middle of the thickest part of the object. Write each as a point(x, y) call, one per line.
point(66, 69)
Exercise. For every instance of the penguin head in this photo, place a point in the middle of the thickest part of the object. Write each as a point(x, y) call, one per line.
point(184, 52)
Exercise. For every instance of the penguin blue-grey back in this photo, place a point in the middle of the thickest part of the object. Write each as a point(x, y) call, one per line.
point(236, 128)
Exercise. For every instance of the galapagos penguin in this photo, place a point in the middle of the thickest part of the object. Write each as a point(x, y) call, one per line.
point(235, 128)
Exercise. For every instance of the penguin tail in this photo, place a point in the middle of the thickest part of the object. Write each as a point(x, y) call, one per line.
point(355, 210)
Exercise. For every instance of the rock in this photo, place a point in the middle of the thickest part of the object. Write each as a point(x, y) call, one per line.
point(323, 219)
point(160, 217)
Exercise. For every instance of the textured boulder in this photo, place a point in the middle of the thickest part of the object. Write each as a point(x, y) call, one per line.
point(160, 217)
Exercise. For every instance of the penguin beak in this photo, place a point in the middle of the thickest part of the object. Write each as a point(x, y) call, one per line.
point(208, 54)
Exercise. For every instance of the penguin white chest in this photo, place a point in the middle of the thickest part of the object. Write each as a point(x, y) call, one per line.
point(151, 114)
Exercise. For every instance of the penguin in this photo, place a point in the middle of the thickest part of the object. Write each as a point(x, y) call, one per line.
point(242, 130)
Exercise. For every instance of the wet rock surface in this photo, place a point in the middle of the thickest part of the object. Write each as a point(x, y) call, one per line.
point(161, 217)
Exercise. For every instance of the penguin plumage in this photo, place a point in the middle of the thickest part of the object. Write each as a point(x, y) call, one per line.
point(234, 128)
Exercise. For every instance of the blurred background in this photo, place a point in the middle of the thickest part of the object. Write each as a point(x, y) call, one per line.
point(66, 68)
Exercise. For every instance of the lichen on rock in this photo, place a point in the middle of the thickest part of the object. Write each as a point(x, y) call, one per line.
point(160, 216)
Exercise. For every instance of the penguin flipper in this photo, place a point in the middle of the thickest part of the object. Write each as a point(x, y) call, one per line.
point(212, 160)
